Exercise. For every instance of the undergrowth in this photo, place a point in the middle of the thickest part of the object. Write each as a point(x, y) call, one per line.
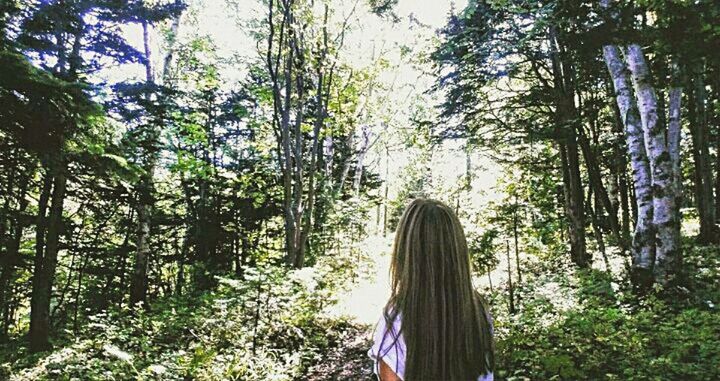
point(268, 326)
point(271, 326)
point(609, 333)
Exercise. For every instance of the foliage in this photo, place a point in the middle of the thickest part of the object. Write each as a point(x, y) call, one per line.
point(270, 325)
point(137, 153)
point(482, 250)
point(611, 334)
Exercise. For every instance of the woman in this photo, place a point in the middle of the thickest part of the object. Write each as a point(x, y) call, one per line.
point(435, 325)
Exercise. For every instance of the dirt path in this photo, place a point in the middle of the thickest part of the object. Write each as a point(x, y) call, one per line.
point(361, 304)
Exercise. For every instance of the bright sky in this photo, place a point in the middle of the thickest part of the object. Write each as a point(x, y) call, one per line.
point(369, 37)
point(370, 33)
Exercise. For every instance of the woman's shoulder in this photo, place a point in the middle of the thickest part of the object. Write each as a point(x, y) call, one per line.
point(389, 320)
point(388, 343)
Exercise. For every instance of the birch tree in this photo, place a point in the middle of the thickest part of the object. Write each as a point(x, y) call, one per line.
point(656, 244)
point(138, 288)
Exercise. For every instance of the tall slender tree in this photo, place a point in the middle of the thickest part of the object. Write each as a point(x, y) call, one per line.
point(656, 245)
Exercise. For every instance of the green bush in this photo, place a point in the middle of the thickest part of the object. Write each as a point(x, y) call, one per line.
point(614, 335)
point(266, 326)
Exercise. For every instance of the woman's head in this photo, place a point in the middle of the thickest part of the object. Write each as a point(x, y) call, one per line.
point(430, 248)
point(444, 322)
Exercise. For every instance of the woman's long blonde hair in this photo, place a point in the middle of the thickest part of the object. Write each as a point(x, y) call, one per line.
point(445, 322)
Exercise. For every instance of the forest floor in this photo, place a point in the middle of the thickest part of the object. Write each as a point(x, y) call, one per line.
point(361, 302)
point(278, 325)
point(213, 336)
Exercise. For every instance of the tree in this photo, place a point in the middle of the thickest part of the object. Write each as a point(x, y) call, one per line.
point(61, 34)
point(656, 244)
point(156, 119)
point(304, 75)
point(534, 100)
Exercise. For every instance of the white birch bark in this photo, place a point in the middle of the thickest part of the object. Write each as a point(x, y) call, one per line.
point(663, 187)
point(366, 133)
point(643, 244)
point(673, 136)
point(328, 152)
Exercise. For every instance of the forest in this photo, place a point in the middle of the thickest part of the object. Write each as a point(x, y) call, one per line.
point(209, 189)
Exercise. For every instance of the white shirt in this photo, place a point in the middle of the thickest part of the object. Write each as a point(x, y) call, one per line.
point(393, 349)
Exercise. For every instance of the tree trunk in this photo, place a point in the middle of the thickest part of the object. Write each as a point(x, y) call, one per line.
point(566, 129)
point(287, 162)
point(317, 128)
point(360, 163)
point(298, 173)
point(619, 151)
point(44, 274)
point(517, 248)
point(511, 289)
point(716, 123)
point(667, 250)
point(180, 282)
point(624, 204)
point(701, 155)
point(46, 259)
point(138, 288)
point(574, 204)
point(489, 279)
point(592, 208)
point(288, 89)
point(12, 258)
point(674, 135)
point(643, 242)
point(597, 185)
point(717, 180)
point(385, 193)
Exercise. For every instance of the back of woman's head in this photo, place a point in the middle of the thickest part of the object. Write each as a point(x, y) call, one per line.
point(444, 321)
